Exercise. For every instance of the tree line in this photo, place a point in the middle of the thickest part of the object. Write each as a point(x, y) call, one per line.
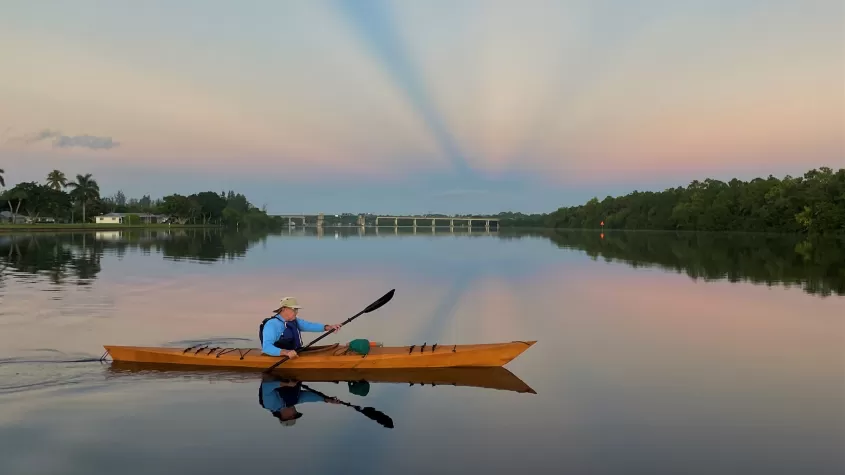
point(80, 200)
point(812, 203)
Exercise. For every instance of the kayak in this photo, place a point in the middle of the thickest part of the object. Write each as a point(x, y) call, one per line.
point(479, 377)
point(330, 356)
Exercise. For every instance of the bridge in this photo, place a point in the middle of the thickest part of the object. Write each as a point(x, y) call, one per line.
point(408, 221)
point(433, 219)
point(291, 217)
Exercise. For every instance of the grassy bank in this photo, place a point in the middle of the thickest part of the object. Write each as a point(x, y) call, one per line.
point(96, 227)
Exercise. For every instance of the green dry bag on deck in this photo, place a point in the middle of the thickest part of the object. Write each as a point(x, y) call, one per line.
point(359, 388)
point(360, 346)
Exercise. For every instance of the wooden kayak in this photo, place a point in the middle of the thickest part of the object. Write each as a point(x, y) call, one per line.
point(497, 377)
point(330, 356)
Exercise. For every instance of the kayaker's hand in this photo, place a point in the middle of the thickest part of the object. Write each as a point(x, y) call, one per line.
point(290, 354)
point(332, 400)
point(335, 327)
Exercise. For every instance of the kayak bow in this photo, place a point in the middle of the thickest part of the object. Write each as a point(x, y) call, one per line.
point(330, 356)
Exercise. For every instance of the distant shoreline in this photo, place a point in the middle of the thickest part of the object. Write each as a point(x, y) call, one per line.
point(98, 227)
point(6, 228)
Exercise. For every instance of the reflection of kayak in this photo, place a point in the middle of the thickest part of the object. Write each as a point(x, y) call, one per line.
point(330, 356)
point(480, 377)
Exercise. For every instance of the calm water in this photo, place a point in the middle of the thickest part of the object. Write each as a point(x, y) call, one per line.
point(657, 352)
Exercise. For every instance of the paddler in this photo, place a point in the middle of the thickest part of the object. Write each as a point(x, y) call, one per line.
point(281, 397)
point(281, 334)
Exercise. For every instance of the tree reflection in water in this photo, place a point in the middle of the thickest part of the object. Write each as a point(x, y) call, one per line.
point(78, 256)
point(815, 263)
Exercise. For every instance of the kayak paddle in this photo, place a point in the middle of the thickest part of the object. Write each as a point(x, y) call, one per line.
point(370, 412)
point(373, 306)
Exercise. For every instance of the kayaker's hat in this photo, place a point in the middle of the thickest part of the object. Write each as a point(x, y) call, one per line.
point(288, 422)
point(289, 302)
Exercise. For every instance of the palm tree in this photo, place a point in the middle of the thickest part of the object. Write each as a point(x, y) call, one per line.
point(56, 180)
point(3, 184)
point(83, 190)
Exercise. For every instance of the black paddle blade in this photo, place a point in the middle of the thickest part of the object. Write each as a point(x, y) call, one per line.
point(378, 416)
point(378, 303)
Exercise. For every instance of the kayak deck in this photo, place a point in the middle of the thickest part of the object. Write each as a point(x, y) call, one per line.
point(330, 356)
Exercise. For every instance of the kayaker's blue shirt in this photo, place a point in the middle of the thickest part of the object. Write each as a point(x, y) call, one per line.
point(274, 397)
point(276, 328)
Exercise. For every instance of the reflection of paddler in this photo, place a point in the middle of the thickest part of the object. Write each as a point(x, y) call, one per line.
point(281, 397)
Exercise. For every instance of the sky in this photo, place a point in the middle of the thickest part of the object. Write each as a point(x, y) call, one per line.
point(419, 107)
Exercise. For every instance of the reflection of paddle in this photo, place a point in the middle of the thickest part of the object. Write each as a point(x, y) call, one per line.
point(370, 412)
point(373, 306)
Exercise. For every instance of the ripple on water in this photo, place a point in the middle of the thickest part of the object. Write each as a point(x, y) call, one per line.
point(37, 368)
point(47, 368)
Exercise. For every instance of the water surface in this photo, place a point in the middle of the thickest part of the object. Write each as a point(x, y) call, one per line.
point(656, 353)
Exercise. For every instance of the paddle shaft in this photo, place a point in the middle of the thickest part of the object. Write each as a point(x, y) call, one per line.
point(327, 397)
point(382, 419)
point(373, 306)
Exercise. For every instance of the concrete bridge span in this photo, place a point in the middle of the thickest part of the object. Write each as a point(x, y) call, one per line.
point(414, 221)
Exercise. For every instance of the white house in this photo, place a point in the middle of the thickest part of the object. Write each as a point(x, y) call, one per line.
point(110, 218)
point(123, 218)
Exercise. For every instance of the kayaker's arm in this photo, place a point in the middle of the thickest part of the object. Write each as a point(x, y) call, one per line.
point(306, 326)
point(272, 332)
point(270, 398)
point(308, 396)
